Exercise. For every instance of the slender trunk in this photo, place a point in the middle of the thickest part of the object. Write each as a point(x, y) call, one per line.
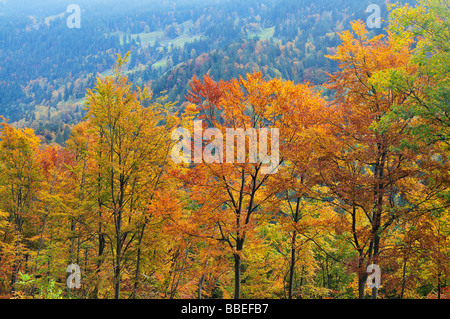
point(402, 293)
point(202, 279)
point(361, 278)
point(117, 266)
point(301, 280)
point(101, 248)
point(72, 241)
point(292, 266)
point(328, 274)
point(101, 236)
point(15, 267)
point(296, 218)
point(117, 277)
point(200, 286)
point(18, 231)
point(361, 284)
point(374, 293)
point(177, 282)
point(17, 261)
point(237, 276)
point(138, 262)
point(86, 255)
point(376, 248)
point(439, 285)
point(376, 223)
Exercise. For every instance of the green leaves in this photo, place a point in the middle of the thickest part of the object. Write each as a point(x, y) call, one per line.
point(428, 26)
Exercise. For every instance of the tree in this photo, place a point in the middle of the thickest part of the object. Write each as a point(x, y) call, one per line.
point(428, 88)
point(372, 178)
point(130, 146)
point(233, 198)
point(20, 176)
point(303, 216)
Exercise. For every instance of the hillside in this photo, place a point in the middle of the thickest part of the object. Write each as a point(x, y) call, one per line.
point(196, 149)
point(47, 66)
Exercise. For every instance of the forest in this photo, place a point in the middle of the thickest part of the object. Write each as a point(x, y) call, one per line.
point(47, 67)
point(362, 178)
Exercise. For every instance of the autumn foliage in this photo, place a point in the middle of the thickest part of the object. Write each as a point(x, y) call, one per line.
point(361, 178)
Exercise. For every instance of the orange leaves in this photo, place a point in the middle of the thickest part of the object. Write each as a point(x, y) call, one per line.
point(346, 190)
point(368, 167)
point(204, 96)
point(360, 58)
point(235, 200)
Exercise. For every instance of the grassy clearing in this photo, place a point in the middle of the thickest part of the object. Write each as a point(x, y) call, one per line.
point(160, 63)
point(151, 37)
point(263, 34)
point(182, 40)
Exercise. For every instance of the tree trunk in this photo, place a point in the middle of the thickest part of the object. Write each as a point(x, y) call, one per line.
point(138, 261)
point(200, 286)
point(362, 277)
point(361, 285)
point(117, 266)
point(237, 276)
point(376, 248)
point(118, 214)
point(101, 236)
point(292, 267)
point(294, 235)
point(376, 218)
point(439, 285)
point(117, 277)
point(402, 293)
point(101, 248)
point(16, 264)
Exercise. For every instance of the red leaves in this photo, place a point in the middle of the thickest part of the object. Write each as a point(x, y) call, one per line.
point(205, 95)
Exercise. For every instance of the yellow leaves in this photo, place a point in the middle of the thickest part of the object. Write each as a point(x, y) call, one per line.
point(18, 141)
point(121, 61)
point(113, 185)
point(3, 222)
point(401, 18)
point(3, 214)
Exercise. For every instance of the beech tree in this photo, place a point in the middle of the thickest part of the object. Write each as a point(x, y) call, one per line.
point(370, 175)
point(20, 175)
point(260, 188)
point(130, 146)
point(233, 198)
